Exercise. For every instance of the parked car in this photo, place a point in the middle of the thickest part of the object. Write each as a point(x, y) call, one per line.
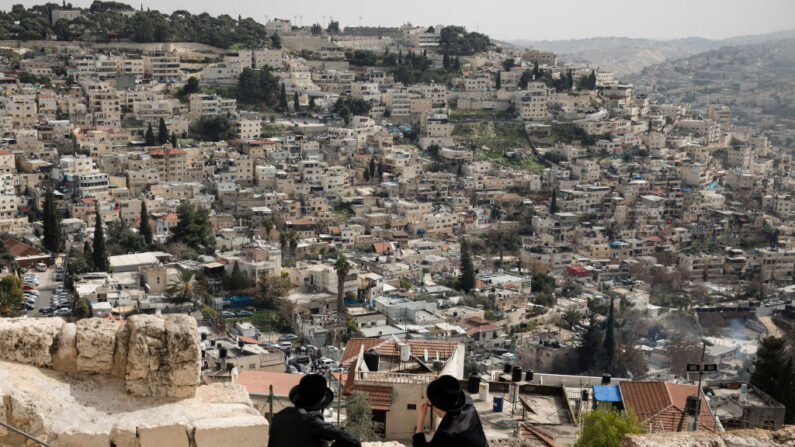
point(288, 337)
point(285, 345)
point(59, 276)
point(28, 287)
point(58, 289)
point(227, 314)
point(46, 310)
point(59, 269)
point(33, 292)
point(63, 312)
point(300, 359)
point(245, 313)
point(42, 267)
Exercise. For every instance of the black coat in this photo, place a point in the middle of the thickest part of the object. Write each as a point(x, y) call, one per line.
point(458, 429)
point(294, 427)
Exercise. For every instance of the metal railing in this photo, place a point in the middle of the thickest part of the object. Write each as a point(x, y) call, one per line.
point(22, 433)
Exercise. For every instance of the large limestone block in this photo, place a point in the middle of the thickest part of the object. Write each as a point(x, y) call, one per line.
point(64, 355)
point(28, 340)
point(736, 438)
point(124, 435)
point(95, 342)
point(25, 413)
point(163, 357)
point(240, 431)
point(82, 438)
point(171, 435)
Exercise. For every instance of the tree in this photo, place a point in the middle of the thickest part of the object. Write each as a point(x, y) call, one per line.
point(236, 280)
point(185, 288)
point(258, 87)
point(272, 288)
point(610, 342)
point(267, 225)
point(445, 59)
point(773, 373)
point(51, 223)
point(498, 84)
point(144, 228)
point(542, 282)
point(11, 296)
point(589, 353)
point(507, 64)
point(317, 29)
point(311, 103)
point(149, 137)
point(162, 132)
point(100, 259)
point(193, 227)
point(606, 428)
point(360, 418)
point(212, 128)
point(82, 308)
point(527, 75)
point(371, 168)
point(553, 202)
point(343, 268)
point(282, 99)
point(191, 86)
point(333, 27)
point(536, 71)
point(296, 104)
point(571, 317)
point(466, 279)
point(276, 41)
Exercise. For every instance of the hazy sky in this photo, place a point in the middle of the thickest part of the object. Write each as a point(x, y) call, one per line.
point(518, 19)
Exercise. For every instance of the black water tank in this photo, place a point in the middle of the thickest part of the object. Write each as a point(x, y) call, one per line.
point(606, 379)
point(240, 344)
point(371, 359)
point(222, 353)
point(585, 395)
point(204, 336)
point(506, 369)
point(528, 375)
point(516, 376)
point(473, 385)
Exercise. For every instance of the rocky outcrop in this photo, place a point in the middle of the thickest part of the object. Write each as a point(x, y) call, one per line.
point(95, 410)
point(157, 356)
point(163, 357)
point(28, 340)
point(737, 438)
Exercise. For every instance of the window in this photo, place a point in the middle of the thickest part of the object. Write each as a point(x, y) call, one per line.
point(411, 407)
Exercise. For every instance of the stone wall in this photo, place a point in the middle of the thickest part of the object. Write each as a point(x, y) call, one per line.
point(105, 383)
point(157, 356)
point(736, 438)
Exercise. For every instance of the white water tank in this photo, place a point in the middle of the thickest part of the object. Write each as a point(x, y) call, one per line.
point(405, 352)
point(483, 394)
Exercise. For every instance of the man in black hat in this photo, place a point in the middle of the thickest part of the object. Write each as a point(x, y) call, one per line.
point(303, 425)
point(460, 426)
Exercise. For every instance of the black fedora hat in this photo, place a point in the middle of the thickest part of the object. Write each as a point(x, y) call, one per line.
point(445, 393)
point(311, 393)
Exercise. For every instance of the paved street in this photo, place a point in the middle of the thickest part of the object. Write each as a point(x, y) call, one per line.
point(47, 284)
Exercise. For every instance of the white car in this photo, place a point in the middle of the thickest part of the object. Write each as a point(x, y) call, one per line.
point(33, 292)
point(42, 267)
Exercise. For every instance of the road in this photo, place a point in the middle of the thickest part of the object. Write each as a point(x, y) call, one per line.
point(47, 284)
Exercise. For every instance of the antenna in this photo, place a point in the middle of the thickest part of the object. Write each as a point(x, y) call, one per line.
point(360, 21)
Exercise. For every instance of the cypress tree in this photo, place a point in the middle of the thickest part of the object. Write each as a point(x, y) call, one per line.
point(144, 228)
point(311, 103)
point(100, 255)
point(52, 223)
point(773, 373)
point(466, 281)
point(162, 132)
point(88, 255)
point(149, 137)
point(553, 204)
point(610, 342)
point(296, 104)
point(282, 99)
point(499, 81)
point(173, 139)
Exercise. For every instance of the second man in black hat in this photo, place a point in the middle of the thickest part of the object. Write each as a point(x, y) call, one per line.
point(460, 426)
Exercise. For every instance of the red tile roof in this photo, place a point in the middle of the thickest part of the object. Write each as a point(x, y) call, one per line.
point(260, 381)
point(382, 247)
point(380, 397)
point(20, 249)
point(660, 404)
point(388, 347)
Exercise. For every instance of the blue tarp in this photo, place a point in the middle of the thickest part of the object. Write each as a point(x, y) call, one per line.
point(606, 393)
point(239, 301)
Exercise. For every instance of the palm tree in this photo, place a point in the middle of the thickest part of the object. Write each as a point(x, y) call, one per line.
point(293, 238)
point(267, 224)
point(185, 288)
point(343, 268)
point(283, 243)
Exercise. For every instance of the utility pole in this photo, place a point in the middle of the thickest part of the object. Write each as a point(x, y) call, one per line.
point(701, 368)
point(270, 403)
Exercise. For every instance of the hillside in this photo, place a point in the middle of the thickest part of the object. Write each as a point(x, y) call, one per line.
point(625, 55)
